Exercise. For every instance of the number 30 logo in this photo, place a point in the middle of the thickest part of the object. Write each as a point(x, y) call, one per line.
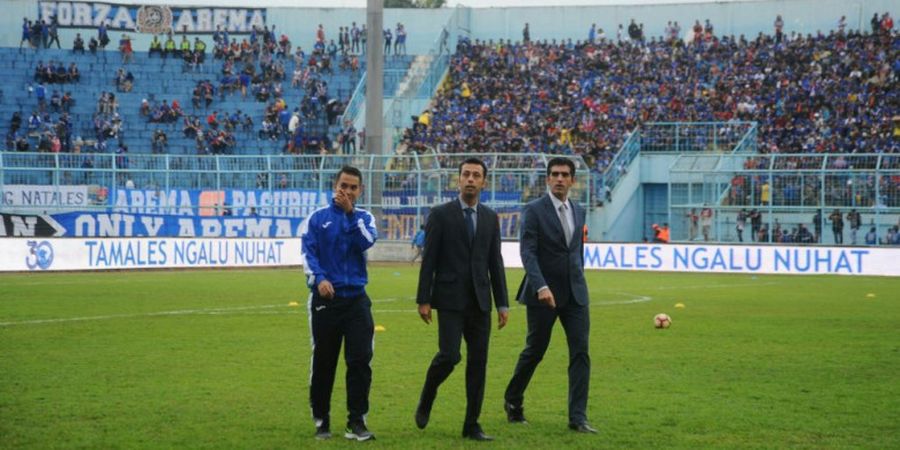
point(40, 255)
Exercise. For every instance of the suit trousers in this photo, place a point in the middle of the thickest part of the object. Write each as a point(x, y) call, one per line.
point(347, 320)
point(575, 320)
point(474, 325)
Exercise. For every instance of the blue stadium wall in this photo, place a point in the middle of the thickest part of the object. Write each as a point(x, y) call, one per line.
point(557, 22)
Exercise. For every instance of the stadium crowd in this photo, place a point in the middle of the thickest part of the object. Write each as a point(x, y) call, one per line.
point(834, 92)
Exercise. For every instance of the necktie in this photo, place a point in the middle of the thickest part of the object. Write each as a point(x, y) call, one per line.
point(470, 224)
point(564, 219)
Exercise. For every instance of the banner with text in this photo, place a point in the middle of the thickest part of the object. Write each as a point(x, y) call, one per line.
point(293, 203)
point(28, 196)
point(152, 18)
point(90, 224)
point(733, 259)
point(40, 255)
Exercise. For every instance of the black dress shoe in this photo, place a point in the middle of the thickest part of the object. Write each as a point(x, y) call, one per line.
point(514, 414)
point(582, 427)
point(423, 413)
point(477, 435)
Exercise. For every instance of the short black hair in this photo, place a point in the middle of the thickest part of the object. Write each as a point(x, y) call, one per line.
point(473, 160)
point(560, 161)
point(349, 170)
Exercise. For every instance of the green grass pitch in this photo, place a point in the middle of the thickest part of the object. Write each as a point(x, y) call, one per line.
point(218, 359)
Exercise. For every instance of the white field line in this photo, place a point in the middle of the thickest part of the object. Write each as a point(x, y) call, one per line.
point(275, 309)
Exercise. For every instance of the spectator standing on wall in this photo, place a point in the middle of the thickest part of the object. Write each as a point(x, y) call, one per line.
point(837, 226)
point(741, 223)
point(103, 35)
point(817, 225)
point(706, 221)
point(854, 219)
point(779, 27)
point(400, 41)
point(54, 32)
point(526, 34)
point(592, 33)
point(693, 220)
point(388, 37)
point(354, 38)
point(26, 33)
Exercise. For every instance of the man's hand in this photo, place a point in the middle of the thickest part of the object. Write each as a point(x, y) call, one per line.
point(326, 290)
point(425, 312)
point(341, 199)
point(502, 318)
point(546, 297)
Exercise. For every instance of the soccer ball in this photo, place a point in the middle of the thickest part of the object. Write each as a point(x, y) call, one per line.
point(662, 320)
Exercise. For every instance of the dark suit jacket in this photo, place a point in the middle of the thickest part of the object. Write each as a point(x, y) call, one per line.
point(451, 267)
point(548, 260)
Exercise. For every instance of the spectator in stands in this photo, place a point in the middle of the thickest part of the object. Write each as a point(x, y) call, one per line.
point(26, 33)
point(855, 220)
point(124, 80)
point(155, 47)
point(103, 35)
point(347, 138)
point(78, 44)
point(73, 75)
point(125, 49)
point(45, 33)
point(159, 141)
point(779, 29)
point(740, 224)
point(40, 93)
point(837, 226)
point(92, 45)
point(817, 225)
point(872, 237)
point(54, 32)
point(363, 38)
point(55, 102)
point(200, 48)
point(400, 44)
point(354, 38)
point(388, 37)
point(15, 122)
point(169, 47)
point(706, 215)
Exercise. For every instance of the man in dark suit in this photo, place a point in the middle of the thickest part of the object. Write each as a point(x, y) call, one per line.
point(552, 249)
point(461, 267)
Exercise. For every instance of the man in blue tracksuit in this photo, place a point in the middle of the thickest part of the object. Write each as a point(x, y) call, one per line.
point(335, 239)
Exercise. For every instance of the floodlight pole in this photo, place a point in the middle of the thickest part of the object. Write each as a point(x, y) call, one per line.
point(374, 77)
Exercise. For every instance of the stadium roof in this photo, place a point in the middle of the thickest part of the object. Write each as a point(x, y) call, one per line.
point(450, 3)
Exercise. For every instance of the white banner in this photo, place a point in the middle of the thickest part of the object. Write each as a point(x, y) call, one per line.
point(40, 255)
point(38, 196)
point(795, 260)
point(141, 253)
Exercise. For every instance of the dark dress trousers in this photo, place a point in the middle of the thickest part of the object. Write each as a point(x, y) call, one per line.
point(457, 277)
point(551, 261)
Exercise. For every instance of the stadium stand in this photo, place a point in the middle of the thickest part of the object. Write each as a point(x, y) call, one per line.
point(148, 82)
point(809, 94)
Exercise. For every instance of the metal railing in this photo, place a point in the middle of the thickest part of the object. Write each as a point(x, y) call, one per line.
point(790, 192)
point(399, 189)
